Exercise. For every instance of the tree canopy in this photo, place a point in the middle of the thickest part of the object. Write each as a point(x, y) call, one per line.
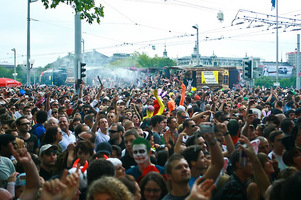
point(86, 8)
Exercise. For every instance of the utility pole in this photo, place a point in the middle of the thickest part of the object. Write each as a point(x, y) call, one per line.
point(28, 43)
point(78, 49)
point(28, 64)
point(15, 73)
point(298, 62)
point(277, 45)
point(197, 44)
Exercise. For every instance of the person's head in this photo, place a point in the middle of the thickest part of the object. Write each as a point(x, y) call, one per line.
point(275, 138)
point(83, 151)
point(189, 126)
point(108, 188)
point(287, 125)
point(172, 122)
point(290, 114)
point(129, 136)
point(64, 123)
point(48, 156)
point(53, 135)
point(177, 169)
point(233, 127)
point(251, 134)
point(197, 139)
point(89, 119)
point(23, 125)
point(291, 187)
point(141, 150)
point(52, 122)
point(98, 168)
point(80, 128)
point(128, 125)
point(86, 109)
point(135, 119)
point(263, 146)
point(181, 116)
point(158, 122)
point(292, 157)
point(139, 131)
point(104, 148)
point(195, 157)
point(27, 111)
point(245, 171)
point(41, 116)
point(111, 117)
point(87, 135)
point(54, 104)
point(131, 184)
point(5, 139)
point(103, 124)
point(119, 169)
point(75, 122)
point(153, 186)
point(272, 120)
point(116, 151)
point(116, 131)
point(266, 163)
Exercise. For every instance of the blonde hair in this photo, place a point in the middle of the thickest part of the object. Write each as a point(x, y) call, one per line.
point(111, 186)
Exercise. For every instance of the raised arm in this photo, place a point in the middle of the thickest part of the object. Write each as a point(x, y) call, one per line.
point(260, 176)
point(183, 94)
point(217, 161)
point(32, 176)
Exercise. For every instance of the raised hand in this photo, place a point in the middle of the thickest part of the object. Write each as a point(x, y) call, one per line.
point(21, 154)
point(201, 191)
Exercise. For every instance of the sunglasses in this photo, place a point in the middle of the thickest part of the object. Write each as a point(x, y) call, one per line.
point(192, 126)
point(112, 131)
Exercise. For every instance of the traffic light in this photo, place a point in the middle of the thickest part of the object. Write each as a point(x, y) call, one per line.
point(247, 69)
point(82, 70)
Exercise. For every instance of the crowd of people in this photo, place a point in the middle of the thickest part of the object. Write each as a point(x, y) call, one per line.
point(163, 140)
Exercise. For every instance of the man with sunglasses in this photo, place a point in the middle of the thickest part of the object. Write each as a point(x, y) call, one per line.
point(116, 132)
point(189, 127)
point(48, 157)
point(30, 140)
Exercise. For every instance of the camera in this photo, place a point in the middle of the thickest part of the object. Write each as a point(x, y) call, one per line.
point(207, 128)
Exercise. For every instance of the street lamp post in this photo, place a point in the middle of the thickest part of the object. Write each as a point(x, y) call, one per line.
point(15, 73)
point(28, 40)
point(197, 43)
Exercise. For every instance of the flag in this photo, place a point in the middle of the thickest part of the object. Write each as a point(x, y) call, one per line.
point(273, 4)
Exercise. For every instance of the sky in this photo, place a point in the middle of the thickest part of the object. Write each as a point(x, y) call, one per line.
point(132, 26)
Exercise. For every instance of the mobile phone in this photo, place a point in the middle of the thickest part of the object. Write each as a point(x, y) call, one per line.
point(207, 128)
point(250, 112)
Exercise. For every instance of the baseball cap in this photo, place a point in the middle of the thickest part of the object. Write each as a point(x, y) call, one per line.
point(46, 147)
point(104, 147)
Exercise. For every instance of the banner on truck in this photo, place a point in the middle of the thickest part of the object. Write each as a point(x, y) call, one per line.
point(210, 77)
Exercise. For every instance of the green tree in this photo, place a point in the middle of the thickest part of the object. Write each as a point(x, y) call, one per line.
point(86, 8)
point(159, 62)
point(268, 81)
